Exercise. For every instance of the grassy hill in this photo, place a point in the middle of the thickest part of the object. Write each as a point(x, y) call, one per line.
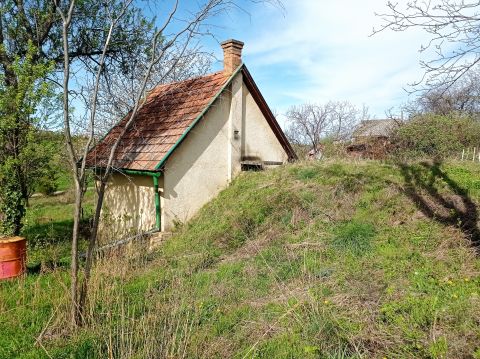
point(335, 260)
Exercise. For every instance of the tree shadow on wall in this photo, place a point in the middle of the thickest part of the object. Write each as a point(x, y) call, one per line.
point(452, 206)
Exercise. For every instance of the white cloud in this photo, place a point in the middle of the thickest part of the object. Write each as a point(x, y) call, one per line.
point(321, 50)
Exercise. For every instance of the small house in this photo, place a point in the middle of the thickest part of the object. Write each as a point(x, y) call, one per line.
point(371, 138)
point(188, 142)
point(379, 130)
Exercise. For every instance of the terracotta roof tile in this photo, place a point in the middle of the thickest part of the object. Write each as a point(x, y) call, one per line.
point(166, 114)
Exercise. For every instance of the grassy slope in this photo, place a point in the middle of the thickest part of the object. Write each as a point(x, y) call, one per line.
point(328, 260)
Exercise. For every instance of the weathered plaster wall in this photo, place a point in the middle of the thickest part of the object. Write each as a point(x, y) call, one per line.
point(198, 168)
point(259, 141)
point(129, 206)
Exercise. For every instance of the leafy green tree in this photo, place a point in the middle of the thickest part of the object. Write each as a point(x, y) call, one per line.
point(22, 159)
point(31, 53)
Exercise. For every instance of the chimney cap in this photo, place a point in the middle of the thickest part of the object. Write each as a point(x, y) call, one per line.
point(232, 42)
point(232, 55)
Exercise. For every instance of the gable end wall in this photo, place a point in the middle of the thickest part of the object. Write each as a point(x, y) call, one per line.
point(259, 140)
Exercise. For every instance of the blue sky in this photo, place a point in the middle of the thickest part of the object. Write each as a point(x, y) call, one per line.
point(316, 51)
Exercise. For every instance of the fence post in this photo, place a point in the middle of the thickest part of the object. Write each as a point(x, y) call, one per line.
point(463, 153)
point(473, 157)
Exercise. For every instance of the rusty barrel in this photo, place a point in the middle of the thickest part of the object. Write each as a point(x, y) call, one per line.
point(12, 256)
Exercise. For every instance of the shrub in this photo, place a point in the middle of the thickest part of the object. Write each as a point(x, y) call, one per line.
point(47, 183)
point(435, 136)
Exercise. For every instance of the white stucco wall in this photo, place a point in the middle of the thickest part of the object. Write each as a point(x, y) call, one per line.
point(198, 168)
point(259, 141)
point(129, 206)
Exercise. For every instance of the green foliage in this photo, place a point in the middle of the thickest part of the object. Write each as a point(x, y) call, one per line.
point(436, 136)
point(38, 22)
point(47, 183)
point(56, 175)
point(22, 159)
point(12, 200)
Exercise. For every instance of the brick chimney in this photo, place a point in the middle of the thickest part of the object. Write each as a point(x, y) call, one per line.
point(232, 55)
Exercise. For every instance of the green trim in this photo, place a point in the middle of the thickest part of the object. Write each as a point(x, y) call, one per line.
point(158, 220)
point(141, 173)
point(165, 158)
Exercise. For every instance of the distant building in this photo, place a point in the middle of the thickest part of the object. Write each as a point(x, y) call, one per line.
point(374, 129)
point(371, 138)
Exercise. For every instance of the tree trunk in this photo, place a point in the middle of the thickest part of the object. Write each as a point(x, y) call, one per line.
point(91, 246)
point(75, 308)
point(19, 205)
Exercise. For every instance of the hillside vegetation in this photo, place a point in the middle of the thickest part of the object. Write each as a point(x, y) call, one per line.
point(332, 260)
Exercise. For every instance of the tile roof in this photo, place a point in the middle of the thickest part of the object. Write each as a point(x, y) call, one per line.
point(165, 116)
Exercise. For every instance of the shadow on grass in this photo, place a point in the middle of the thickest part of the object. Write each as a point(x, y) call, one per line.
point(51, 232)
point(49, 265)
point(452, 207)
point(54, 232)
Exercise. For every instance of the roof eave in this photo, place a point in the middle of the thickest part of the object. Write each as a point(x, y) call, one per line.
point(131, 171)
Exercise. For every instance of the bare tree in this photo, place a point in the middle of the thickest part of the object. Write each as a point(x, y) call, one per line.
point(170, 46)
point(117, 94)
point(454, 27)
point(462, 98)
point(308, 124)
point(66, 12)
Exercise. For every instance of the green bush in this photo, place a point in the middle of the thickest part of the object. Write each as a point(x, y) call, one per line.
point(435, 136)
point(47, 183)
